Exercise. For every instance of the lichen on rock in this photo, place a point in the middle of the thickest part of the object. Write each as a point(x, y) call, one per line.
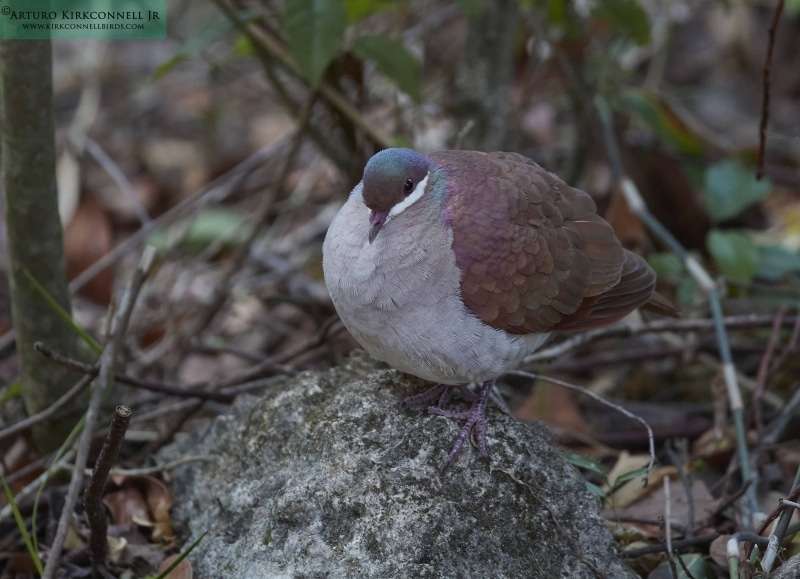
point(326, 475)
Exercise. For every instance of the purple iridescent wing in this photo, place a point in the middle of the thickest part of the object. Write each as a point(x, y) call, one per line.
point(533, 253)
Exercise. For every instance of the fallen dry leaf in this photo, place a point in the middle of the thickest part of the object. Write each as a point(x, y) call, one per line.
point(633, 490)
point(182, 571)
point(87, 238)
point(145, 501)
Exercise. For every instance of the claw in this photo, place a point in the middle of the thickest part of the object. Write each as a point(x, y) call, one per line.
point(441, 390)
point(475, 416)
point(476, 422)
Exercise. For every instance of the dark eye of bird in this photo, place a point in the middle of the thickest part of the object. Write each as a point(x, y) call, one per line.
point(409, 186)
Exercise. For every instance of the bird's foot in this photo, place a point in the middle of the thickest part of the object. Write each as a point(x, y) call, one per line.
point(444, 392)
point(475, 418)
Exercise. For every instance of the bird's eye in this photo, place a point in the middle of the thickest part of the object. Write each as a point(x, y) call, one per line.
point(409, 186)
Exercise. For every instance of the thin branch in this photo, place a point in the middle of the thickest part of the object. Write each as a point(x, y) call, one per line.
point(33, 486)
point(659, 326)
point(780, 529)
point(222, 290)
point(118, 328)
point(603, 401)
point(119, 178)
point(93, 496)
point(668, 527)
point(763, 371)
point(92, 371)
point(213, 192)
point(762, 128)
point(32, 421)
point(159, 468)
point(687, 488)
point(705, 282)
point(784, 418)
point(679, 544)
point(279, 53)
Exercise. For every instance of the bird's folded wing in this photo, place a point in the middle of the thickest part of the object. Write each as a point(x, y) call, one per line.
point(533, 254)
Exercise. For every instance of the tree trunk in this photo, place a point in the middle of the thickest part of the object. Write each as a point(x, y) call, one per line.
point(35, 240)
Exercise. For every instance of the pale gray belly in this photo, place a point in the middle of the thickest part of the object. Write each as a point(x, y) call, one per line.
point(400, 299)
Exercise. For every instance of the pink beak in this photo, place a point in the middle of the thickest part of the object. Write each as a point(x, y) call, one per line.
point(376, 220)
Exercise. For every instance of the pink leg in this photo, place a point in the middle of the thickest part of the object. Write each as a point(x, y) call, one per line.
point(442, 390)
point(475, 418)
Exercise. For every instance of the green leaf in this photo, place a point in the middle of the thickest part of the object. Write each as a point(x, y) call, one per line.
point(358, 9)
point(625, 17)
point(164, 574)
point(556, 13)
point(26, 537)
point(734, 253)
point(243, 47)
point(667, 266)
point(625, 477)
point(214, 224)
point(776, 262)
point(659, 116)
point(65, 317)
point(595, 490)
point(12, 391)
point(316, 30)
point(393, 60)
point(730, 188)
point(585, 463)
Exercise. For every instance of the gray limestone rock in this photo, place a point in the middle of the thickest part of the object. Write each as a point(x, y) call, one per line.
point(327, 475)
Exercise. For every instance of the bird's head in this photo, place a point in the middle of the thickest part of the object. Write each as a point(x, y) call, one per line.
point(394, 179)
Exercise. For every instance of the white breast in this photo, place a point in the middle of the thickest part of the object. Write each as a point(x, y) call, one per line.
point(400, 298)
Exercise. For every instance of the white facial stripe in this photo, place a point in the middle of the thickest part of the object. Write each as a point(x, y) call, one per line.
point(412, 198)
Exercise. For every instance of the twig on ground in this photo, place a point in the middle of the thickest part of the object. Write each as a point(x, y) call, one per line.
point(779, 532)
point(784, 418)
point(677, 545)
point(763, 371)
point(93, 496)
point(668, 527)
point(617, 330)
point(793, 495)
point(602, 400)
point(706, 283)
point(688, 530)
point(32, 487)
point(32, 421)
point(92, 371)
point(118, 328)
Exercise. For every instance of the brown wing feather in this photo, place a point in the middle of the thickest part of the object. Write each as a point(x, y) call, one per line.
point(633, 290)
point(533, 253)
